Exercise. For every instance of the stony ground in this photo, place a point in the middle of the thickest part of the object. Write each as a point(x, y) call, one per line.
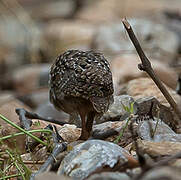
point(144, 130)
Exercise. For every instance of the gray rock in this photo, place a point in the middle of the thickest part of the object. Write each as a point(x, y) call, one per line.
point(109, 176)
point(49, 175)
point(162, 173)
point(103, 127)
point(30, 77)
point(48, 110)
point(93, 156)
point(167, 137)
point(6, 96)
point(117, 111)
point(23, 46)
point(54, 9)
point(158, 110)
point(163, 132)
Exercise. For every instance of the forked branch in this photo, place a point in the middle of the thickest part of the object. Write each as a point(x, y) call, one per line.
point(146, 66)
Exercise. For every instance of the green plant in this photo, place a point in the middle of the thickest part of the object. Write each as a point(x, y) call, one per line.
point(130, 111)
point(11, 159)
point(22, 130)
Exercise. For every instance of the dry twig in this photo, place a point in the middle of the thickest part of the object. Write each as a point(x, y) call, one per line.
point(146, 66)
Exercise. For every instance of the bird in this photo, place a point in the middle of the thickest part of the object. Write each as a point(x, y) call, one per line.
point(80, 84)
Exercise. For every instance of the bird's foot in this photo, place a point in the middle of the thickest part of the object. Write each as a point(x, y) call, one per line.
point(84, 135)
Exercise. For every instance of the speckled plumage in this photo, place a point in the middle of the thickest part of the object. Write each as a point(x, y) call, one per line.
point(81, 82)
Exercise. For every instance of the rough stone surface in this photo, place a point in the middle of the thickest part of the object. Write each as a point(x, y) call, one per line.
point(107, 11)
point(117, 125)
point(53, 9)
point(159, 149)
point(99, 11)
point(69, 133)
point(8, 111)
point(6, 96)
point(161, 173)
point(109, 176)
point(116, 111)
point(38, 155)
point(93, 156)
point(27, 41)
point(50, 175)
point(36, 98)
point(163, 132)
point(48, 110)
point(158, 110)
point(143, 87)
point(122, 64)
point(69, 35)
point(30, 77)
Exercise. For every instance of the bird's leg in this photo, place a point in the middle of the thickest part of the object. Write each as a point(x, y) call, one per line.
point(74, 118)
point(84, 134)
point(89, 122)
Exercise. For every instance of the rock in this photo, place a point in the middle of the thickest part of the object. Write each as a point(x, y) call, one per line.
point(99, 11)
point(50, 175)
point(111, 39)
point(38, 156)
point(162, 173)
point(53, 10)
point(36, 98)
point(177, 163)
point(121, 66)
point(161, 128)
point(117, 111)
point(103, 127)
point(162, 133)
point(167, 137)
point(158, 110)
point(107, 130)
point(104, 11)
point(69, 35)
point(109, 176)
point(30, 77)
point(144, 87)
point(69, 133)
point(5, 80)
point(159, 149)
point(7, 109)
point(23, 47)
point(94, 156)
point(172, 18)
point(6, 96)
point(48, 110)
point(144, 8)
